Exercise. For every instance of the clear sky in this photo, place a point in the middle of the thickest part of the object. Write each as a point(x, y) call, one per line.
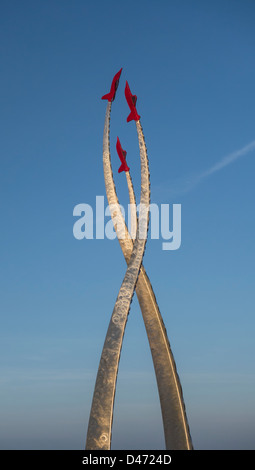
point(192, 66)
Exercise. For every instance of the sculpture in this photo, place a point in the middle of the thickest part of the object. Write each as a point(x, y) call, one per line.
point(176, 429)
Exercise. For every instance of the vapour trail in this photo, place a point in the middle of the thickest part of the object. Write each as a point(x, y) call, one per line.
point(228, 159)
point(176, 429)
point(187, 183)
point(101, 415)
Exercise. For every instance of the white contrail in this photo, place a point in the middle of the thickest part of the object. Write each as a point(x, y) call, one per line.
point(228, 159)
point(187, 183)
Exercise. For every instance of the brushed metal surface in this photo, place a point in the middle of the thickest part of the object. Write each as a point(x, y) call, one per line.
point(176, 428)
point(101, 415)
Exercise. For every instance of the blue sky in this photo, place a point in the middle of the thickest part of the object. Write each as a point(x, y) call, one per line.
point(191, 64)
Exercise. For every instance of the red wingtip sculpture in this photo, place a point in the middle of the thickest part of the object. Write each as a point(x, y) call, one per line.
point(122, 154)
point(131, 101)
point(115, 83)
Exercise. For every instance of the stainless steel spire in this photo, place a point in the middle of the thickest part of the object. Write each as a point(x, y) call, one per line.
point(176, 429)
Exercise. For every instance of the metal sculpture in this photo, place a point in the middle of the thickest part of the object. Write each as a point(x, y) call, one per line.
point(176, 429)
